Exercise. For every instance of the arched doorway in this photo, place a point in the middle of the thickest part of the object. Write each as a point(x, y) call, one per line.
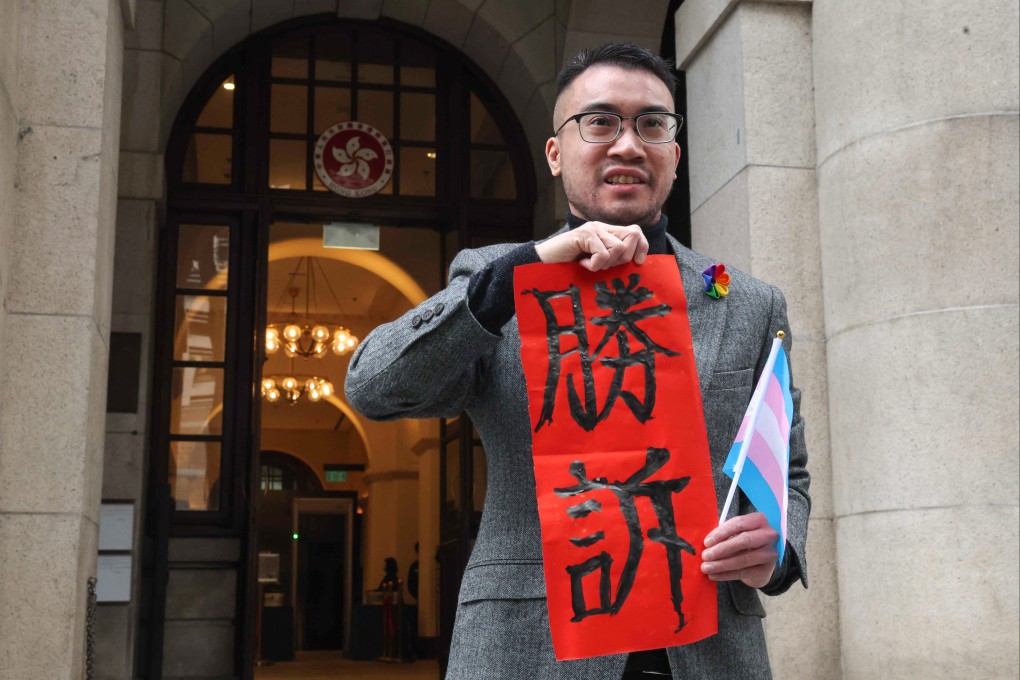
point(241, 180)
point(308, 547)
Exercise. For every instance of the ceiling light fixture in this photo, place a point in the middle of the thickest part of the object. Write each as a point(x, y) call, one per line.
point(305, 337)
point(290, 388)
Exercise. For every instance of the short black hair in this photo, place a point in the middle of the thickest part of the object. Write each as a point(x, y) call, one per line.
point(624, 55)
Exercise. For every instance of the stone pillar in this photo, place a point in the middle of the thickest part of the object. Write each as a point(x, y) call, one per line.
point(58, 261)
point(9, 42)
point(917, 132)
point(754, 207)
point(389, 525)
point(392, 527)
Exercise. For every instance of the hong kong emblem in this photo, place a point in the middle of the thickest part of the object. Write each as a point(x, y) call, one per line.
point(353, 159)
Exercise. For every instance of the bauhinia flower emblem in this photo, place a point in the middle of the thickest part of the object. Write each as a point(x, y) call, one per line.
point(717, 281)
point(354, 159)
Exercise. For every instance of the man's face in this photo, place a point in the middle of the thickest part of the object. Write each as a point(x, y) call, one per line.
point(626, 181)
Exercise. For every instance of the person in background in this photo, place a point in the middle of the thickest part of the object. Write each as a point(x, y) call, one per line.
point(390, 580)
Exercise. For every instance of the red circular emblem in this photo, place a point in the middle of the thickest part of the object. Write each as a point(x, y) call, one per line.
point(353, 159)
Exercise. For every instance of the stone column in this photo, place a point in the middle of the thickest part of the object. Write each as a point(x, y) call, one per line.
point(917, 132)
point(390, 523)
point(9, 42)
point(55, 336)
point(428, 535)
point(391, 528)
point(754, 208)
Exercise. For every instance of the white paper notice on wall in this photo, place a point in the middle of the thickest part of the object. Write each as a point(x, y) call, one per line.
point(113, 578)
point(356, 235)
point(116, 526)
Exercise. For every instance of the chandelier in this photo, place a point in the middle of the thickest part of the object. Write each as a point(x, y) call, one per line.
point(305, 337)
point(290, 388)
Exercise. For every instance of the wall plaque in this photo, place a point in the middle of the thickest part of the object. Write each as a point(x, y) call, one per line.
point(353, 159)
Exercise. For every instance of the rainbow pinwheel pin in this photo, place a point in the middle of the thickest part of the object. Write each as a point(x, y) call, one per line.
point(717, 281)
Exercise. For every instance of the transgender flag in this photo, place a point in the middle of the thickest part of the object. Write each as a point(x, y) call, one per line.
point(759, 460)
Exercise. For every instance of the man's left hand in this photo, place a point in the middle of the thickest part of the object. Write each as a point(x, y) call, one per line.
point(742, 548)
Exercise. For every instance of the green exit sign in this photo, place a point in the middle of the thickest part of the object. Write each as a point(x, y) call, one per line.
point(336, 475)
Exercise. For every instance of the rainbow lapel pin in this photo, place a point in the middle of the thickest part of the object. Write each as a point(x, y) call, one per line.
point(717, 281)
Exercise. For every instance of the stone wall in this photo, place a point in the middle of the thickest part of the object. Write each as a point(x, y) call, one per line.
point(918, 107)
point(60, 68)
point(754, 207)
point(9, 44)
point(863, 156)
point(866, 150)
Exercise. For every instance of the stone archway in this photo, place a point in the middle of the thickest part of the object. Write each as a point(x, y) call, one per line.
point(517, 45)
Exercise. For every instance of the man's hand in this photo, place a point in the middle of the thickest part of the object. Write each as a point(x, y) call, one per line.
point(742, 548)
point(596, 246)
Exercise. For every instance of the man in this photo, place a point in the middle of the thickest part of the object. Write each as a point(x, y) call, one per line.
point(459, 351)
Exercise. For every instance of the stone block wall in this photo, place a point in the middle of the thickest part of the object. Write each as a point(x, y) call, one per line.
point(754, 207)
point(918, 115)
point(864, 156)
point(9, 130)
point(60, 71)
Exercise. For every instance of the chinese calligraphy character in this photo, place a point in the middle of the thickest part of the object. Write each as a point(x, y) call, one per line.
point(660, 494)
point(620, 323)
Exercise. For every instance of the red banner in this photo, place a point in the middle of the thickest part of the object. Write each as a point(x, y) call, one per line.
point(622, 467)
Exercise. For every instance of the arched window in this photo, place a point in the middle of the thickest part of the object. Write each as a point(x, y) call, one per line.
point(279, 471)
point(251, 126)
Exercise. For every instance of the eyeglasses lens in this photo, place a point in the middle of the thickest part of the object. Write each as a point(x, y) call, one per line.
point(600, 128)
point(656, 128)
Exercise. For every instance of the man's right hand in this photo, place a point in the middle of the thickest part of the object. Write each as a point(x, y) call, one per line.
point(596, 246)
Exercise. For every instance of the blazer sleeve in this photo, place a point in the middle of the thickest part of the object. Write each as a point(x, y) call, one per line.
point(794, 565)
point(428, 363)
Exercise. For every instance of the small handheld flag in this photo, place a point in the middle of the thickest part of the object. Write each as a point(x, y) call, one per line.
point(759, 460)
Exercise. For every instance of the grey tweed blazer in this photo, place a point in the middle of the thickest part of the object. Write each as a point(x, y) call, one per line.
point(437, 360)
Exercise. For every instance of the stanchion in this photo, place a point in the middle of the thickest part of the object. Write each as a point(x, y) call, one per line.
point(259, 661)
point(392, 622)
point(400, 626)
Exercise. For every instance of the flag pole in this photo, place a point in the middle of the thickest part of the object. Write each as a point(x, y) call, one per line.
point(757, 399)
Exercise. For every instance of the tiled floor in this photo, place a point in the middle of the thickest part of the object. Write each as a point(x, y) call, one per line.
point(330, 666)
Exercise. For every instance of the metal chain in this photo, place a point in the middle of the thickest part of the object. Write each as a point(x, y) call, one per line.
point(90, 638)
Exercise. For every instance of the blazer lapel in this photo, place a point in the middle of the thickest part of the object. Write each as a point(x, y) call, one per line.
point(707, 315)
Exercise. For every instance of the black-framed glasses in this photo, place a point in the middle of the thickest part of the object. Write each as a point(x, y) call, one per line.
point(603, 127)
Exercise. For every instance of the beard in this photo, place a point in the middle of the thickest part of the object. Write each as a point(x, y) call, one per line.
point(590, 206)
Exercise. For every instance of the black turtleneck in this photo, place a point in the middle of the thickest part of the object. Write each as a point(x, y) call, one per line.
point(490, 292)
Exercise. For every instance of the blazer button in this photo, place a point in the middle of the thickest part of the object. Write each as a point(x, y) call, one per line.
point(415, 321)
point(426, 316)
point(438, 309)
